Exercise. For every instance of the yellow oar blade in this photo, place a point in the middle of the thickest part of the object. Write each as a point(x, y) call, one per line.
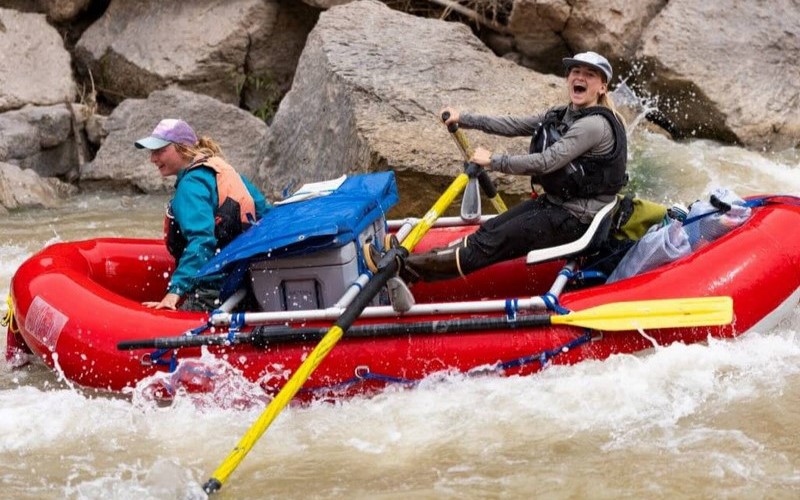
point(648, 314)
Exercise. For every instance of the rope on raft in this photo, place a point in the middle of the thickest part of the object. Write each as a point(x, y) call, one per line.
point(8, 319)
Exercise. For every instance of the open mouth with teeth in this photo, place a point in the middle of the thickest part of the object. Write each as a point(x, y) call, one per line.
point(578, 88)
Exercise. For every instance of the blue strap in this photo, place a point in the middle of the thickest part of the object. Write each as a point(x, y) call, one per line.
point(172, 362)
point(751, 203)
point(544, 357)
point(359, 379)
point(566, 273)
point(512, 306)
point(551, 301)
point(237, 322)
point(696, 218)
point(588, 274)
point(768, 200)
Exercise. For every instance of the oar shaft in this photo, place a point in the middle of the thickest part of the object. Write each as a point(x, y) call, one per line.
point(329, 341)
point(662, 313)
point(422, 227)
point(458, 136)
point(183, 341)
point(466, 150)
point(461, 141)
point(491, 192)
point(274, 408)
point(268, 336)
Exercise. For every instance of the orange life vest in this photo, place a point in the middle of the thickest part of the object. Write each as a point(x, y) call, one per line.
point(234, 214)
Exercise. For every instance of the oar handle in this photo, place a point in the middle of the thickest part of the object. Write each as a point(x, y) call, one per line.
point(485, 181)
point(458, 135)
point(486, 184)
point(451, 127)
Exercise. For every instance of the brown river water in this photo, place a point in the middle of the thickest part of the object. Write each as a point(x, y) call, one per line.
point(715, 420)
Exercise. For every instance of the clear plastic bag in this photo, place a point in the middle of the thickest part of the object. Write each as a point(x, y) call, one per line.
point(661, 244)
point(683, 234)
point(716, 218)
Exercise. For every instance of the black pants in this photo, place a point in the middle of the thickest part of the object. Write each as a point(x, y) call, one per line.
point(531, 225)
point(201, 299)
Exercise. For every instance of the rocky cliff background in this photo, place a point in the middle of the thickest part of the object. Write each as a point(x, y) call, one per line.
point(300, 91)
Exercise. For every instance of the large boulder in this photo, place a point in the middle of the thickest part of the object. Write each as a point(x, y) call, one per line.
point(737, 80)
point(219, 48)
point(366, 97)
point(21, 189)
point(46, 139)
point(272, 57)
point(34, 65)
point(58, 11)
point(119, 163)
point(547, 30)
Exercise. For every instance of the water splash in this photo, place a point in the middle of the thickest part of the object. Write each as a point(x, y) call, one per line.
point(205, 382)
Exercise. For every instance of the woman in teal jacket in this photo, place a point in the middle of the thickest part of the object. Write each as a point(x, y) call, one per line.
point(211, 206)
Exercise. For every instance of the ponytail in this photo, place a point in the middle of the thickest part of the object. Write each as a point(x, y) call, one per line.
point(606, 101)
point(205, 147)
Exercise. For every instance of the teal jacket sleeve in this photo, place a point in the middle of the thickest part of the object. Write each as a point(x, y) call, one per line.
point(262, 205)
point(193, 205)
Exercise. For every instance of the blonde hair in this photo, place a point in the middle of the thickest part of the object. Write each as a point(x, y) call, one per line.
point(205, 147)
point(606, 101)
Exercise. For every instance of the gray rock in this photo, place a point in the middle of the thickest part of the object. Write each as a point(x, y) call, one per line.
point(34, 65)
point(547, 30)
point(367, 93)
point(64, 10)
point(202, 46)
point(41, 138)
point(326, 4)
point(23, 188)
point(119, 163)
point(736, 79)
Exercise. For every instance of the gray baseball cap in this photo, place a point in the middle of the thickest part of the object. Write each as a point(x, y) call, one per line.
point(591, 59)
point(168, 130)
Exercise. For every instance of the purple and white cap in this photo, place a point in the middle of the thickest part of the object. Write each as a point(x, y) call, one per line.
point(168, 130)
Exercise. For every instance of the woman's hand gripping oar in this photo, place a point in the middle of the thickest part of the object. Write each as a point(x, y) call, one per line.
point(388, 267)
point(471, 202)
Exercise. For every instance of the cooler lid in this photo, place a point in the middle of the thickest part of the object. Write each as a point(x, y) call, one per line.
point(314, 224)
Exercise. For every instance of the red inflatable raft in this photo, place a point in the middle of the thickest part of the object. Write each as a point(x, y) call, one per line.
point(74, 302)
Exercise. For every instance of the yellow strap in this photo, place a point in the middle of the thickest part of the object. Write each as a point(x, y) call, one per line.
point(8, 319)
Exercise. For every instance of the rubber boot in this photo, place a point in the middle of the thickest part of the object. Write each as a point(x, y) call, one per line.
point(434, 265)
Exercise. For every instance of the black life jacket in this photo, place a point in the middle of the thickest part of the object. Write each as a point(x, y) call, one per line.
point(234, 214)
point(586, 176)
